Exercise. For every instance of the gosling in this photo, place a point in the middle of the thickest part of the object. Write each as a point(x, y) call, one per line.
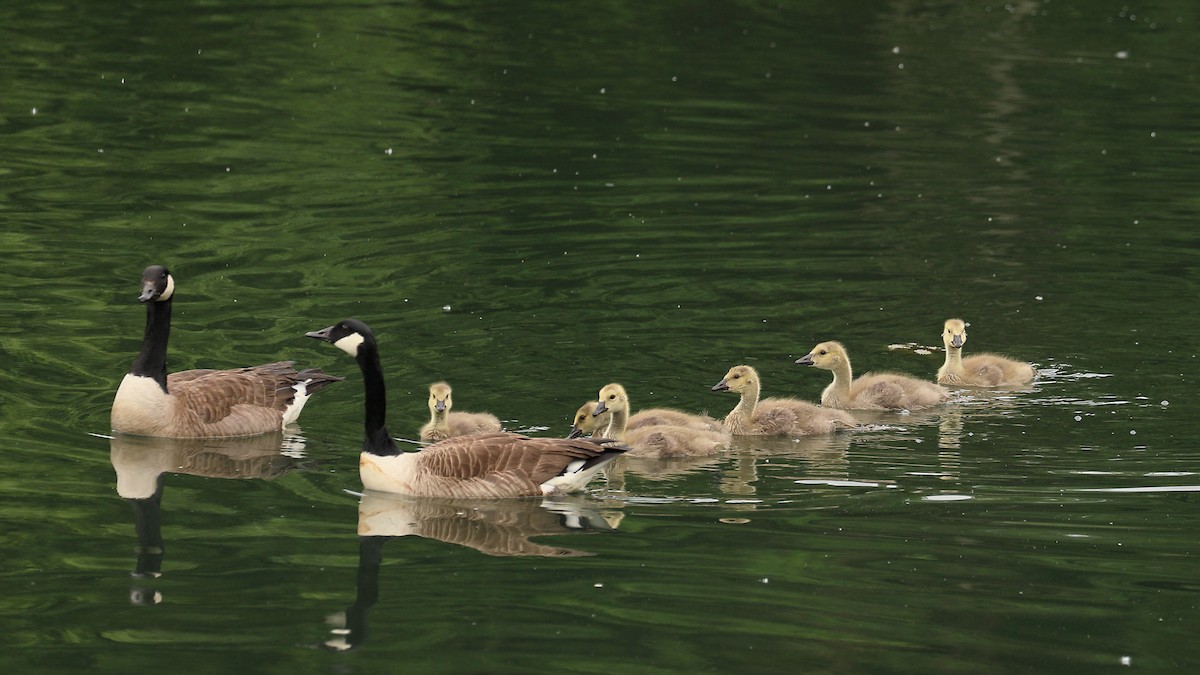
point(444, 424)
point(980, 370)
point(873, 391)
point(775, 416)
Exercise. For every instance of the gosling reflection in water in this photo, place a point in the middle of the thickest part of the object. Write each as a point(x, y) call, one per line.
point(498, 527)
point(142, 463)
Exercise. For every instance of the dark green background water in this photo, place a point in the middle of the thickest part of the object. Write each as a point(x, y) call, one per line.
point(531, 200)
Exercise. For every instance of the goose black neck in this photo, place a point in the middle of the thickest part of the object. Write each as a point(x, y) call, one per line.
point(151, 360)
point(377, 441)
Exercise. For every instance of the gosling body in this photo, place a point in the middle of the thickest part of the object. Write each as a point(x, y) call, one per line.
point(443, 423)
point(614, 396)
point(872, 391)
point(979, 370)
point(650, 441)
point(775, 416)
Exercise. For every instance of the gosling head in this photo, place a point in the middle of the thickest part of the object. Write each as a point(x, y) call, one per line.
point(612, 398)
point(585, 422)
point(157, 284)
point(439, 398)
point(827, 356)
point(954, 334)
point(348, 335)
point(738, 379)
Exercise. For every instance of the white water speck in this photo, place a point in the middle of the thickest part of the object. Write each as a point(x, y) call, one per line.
point(1164, 403)
point(895, 50)
point(603, 90)
point(765, 580)
point(1038, 298)
point(445, 308)
point(597, 585)
point(1133, 432)
point(1127, 660)
point(1123, 54)
point(388, 151)
point(33, 112)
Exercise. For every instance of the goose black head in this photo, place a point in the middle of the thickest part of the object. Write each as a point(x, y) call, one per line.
point(346, 335)
point(157, 284)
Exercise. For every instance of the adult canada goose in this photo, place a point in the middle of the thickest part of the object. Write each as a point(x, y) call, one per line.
point(872, 391)
point(613, 396)
point(444, 424)
point(480, 466)
point(775, 416)
point(203, 403)
point(980, 370)
point(655, 440)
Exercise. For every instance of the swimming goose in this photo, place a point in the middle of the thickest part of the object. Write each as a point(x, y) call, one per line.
point(614, 396)
point(653, 440)
point(203, 403)
point(775, 416)
point(872, 391)
point(980, 370)
point(444, 424)
point(480, 466)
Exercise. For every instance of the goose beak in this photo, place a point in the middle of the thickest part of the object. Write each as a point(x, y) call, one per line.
point(721, 386)
point(439, 406)
point(322, 334)
point(956, 342)
point(576, 432)
point(806, 360)
point(600, 409)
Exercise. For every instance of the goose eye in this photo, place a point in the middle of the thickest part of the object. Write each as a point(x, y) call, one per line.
point(612, 397)
point(823, 352)
point(736, 376)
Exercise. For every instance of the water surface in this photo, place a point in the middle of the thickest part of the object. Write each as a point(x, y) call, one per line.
point(530, 200)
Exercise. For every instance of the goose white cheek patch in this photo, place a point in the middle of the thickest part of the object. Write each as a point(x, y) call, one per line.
point(166, 294)
point(350, 343)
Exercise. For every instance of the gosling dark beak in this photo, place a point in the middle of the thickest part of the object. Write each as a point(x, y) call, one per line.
point(439, 406)
point(721, 386)
point(956, 342)
point(805, 360)
point(576, 432)
point(600, 409)
point(322, 334)
point(148, 291)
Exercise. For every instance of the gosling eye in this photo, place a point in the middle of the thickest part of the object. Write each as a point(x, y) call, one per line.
point(612, 397)
point(736, 376)
point(823, 352)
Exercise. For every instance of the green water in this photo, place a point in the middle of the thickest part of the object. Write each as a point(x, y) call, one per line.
point(531, 200)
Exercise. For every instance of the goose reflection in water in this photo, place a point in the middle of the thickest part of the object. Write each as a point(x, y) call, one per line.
point(498, 527)
point(142, 463)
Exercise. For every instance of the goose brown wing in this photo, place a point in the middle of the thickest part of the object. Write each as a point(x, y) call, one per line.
point(506, 458)
point(214, 395)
